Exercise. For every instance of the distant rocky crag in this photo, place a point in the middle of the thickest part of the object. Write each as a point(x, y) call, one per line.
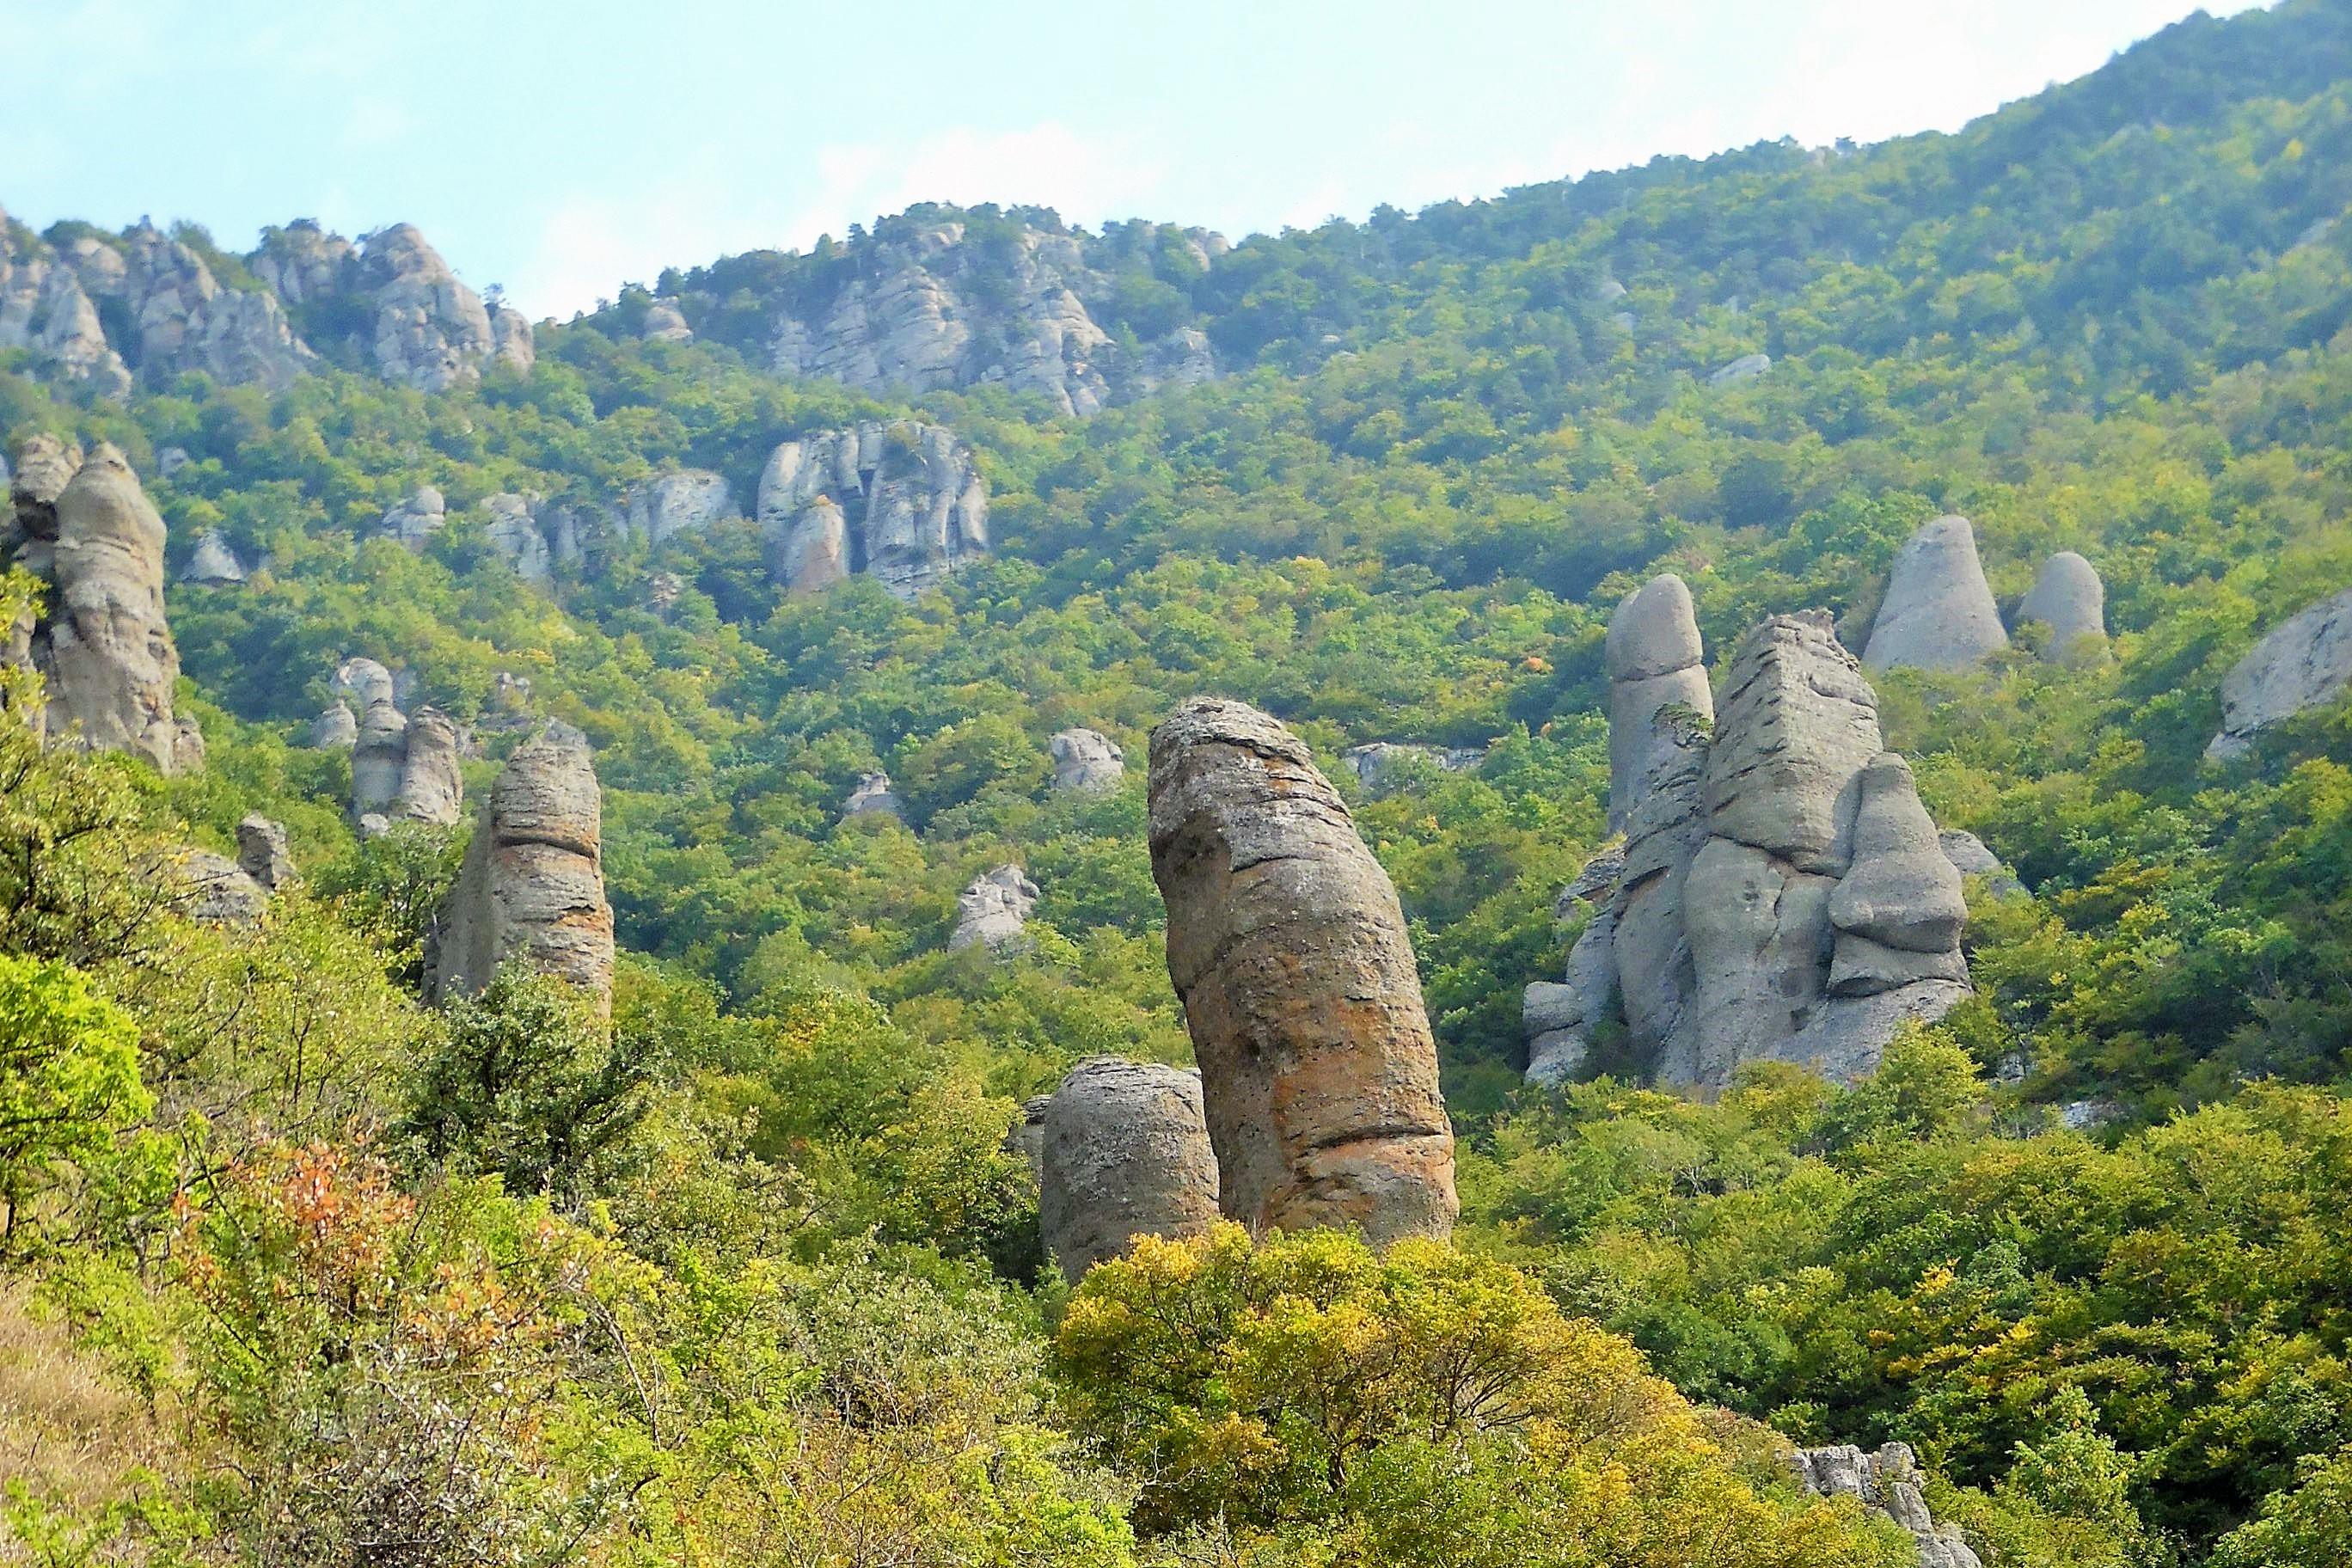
point(113, 311)
point(937, 298)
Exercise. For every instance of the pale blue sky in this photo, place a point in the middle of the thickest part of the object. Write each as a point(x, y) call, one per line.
point(561, 149)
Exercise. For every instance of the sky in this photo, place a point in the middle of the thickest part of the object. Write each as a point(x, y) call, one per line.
point(559, 147)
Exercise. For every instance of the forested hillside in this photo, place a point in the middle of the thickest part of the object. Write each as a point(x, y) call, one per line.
point(299, 1262)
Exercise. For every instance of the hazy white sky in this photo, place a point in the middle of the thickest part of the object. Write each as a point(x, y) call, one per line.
point(561, 149)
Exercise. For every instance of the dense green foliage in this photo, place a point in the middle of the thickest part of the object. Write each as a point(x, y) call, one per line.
point(748, 1275)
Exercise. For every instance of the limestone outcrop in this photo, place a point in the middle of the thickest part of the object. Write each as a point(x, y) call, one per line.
point(532, 889)
point(665, 506)
point(45, 310)
point(1782, 895)
point(102, 646)
point(1086, 760)
point(1887, 1481)
point(1288, 950)
point(1938, 611)
point(2068, 599)
point(415, 519)
point(515, 532)
point(901, 500)
point(262, 852)
point(2304, 662)
point(874, 798)
point(186, 319)
point(993, 910)
point(213, 563)
point(1123, 1151)
point(412, 320)
point(1654, 664)
point(1379, 764)
point(214, 889)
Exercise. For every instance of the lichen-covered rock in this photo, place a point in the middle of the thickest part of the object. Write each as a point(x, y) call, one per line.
point(1939, 613)
point(532, 889)
point(262, 852)
point(1288, 951)
point(1887, 1481)
point(682, 502)
point(1124, 1151)
point(431, 787)
point(213, 564)
point(901, 500)
point(2069, 599)
point(1086, 760)
point(993, 910)
point(105, 649)
point(2304, 662)
point(215, 888)
point(1654, 664)
point(415, 519)
point(874, 798)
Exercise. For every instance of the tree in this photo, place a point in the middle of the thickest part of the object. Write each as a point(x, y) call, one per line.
point(68, 1086)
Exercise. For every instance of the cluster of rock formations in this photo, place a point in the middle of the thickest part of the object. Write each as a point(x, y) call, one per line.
point(926, 305)
point(901, 501)
point(1123, 1150)
point(1781, 893)
point(1316, 1099)
point(418, 325)
point(84, 528)
point(1887, 1482)
point(1085, 761)
point(403, 765)
point(1938, 611)
point(994, 910)
point(1288, 951)
point(532, 889)
point(2304, 662)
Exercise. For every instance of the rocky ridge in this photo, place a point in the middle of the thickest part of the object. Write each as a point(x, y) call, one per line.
point(2306, 661)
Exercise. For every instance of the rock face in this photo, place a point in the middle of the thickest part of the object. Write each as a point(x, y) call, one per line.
point(336, 730)
point(2068, 597)
point(663, 508)
point(666, 324)
point(2304, 662)
point(215, 890)
point(214, 564)
point(417, 519)
point(405, 315)
point(45, 311)
point(515, 534)
point(1889, 1482)
point(1124, 1151)
point(188, 321)
point(874, 798)
point(992, 911)
point(262, 854)
point(103, 648)
point(431, 789)
point(903, 501)
point(1745, 368)
point(1654, 663)
point(930, 305)
point(1376, 763)
point(532, 889)
point(1086, 760)
point(1938, 611)
point(1782, 894)
point(1288, 950)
